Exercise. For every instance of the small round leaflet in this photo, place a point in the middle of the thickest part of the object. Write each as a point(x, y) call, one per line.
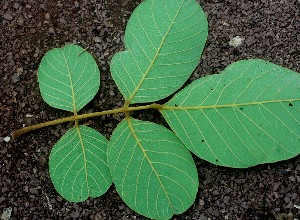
point(68, 78)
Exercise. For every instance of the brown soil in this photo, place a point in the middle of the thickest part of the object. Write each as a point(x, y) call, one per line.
point(29, 28)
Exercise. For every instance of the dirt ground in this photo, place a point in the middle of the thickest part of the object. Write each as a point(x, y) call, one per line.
point(29, 28)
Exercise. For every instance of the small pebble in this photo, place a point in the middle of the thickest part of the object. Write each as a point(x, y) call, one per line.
point(51, 30)
point(15, 78)
point(201, 202)
point(97, 39)
point(6, 213)
point(7, 139)
point(236, 41)
point(47, 16)
point(8, 17)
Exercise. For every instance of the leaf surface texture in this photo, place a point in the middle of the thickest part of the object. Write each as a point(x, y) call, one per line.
point(152, 170)
point(247, 115)
point(68, 78)
point(164, 40)
point(78, 164)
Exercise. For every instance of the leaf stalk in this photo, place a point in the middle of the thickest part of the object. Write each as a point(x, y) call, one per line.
point(125, 108)
point(17, 133)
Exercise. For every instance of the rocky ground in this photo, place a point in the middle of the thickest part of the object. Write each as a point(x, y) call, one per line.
point(29, 28)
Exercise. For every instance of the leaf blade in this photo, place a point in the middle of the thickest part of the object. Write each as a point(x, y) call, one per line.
point(68, 78)
point(149, 173)
point(78, 164)
point(241, 117)
point(159, 56)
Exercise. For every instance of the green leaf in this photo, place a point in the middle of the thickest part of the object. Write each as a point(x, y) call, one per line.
point(78, 164)
point(164, 40)
point(247, 115)
point(68, 78)
point(152, 170)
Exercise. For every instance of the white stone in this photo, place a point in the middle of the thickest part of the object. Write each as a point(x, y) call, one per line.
point(236, 41)
point(6, 213)
point(225, 23)
point(6, 139)
point(296, 206)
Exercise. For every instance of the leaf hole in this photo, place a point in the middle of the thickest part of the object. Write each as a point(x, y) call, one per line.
point(290, 104)
point(217, 160)
point(241, 109)
point(175, 105)
point(202, 140)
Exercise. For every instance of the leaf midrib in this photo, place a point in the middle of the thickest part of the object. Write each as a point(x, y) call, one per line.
point(154, 58)
point(148, 160)
point(84, 157)
point(71, 84)
point(76, 122)
point(199, 107)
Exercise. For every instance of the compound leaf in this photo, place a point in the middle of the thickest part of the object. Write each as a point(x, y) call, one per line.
point(247, 115)
point(153, 171)
point(68, 78)
point(164, 40)
point(78, 164)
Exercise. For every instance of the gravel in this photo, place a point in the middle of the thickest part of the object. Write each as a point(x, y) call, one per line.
point(270, 30)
